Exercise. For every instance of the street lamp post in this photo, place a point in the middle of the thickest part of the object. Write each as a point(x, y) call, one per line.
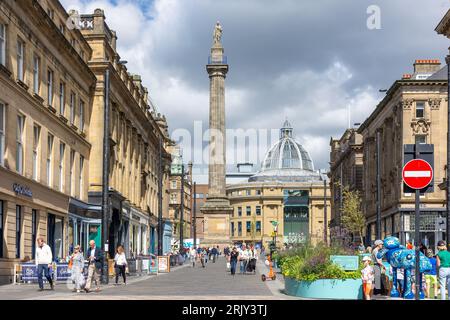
point(378, 229)
point(325, 218)
point(447, 180)
point(160, 192)
point(105, 179)
point(182, 209)
point(195, 215)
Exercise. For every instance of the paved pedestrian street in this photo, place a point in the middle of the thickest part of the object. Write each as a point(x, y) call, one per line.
point(183, 282)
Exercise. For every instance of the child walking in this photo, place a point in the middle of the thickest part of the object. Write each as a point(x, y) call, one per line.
point(367, 276)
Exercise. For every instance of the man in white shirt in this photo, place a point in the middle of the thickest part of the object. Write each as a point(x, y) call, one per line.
point(43, 262)
point(244, 256)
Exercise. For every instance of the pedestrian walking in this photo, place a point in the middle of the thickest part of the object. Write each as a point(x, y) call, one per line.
point(234, 256)
point(120, 264)
point(95, 257)
point(367, 276)
point(430, 276)
point(206, 255)
point(193, 256)
point(443, 264)
point(214, 254)
point(378, 268)
point(244, 257)
point(77, 261)
point(203, 257)
point(43, 260)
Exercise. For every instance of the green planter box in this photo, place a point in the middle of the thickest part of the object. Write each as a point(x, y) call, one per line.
point(348, 289)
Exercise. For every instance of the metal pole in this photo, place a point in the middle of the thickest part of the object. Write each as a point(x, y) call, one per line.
point(105, 180)
point(447, 180)
point(195, 214)
point(417, 231)
point(160, 192)
point(325, 218)
point(182, 209)
point(340, 206)
point(378, 232)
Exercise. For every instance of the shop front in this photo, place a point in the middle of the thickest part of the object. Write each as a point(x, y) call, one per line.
point(401, 224)
point(85, 224)
point(29, 210)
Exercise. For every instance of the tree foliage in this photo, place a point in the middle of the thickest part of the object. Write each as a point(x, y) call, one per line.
point(352, 218)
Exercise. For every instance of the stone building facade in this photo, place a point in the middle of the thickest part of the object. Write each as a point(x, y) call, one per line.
point(414, 109)
point(287, 190)
point(51, 135)
point(45, 103)
point(136, 132)
point(177, 169)
point(346, 169)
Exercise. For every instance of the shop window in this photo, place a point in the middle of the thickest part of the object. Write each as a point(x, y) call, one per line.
point(34, 229)
point(55, 227)
point(18, 229)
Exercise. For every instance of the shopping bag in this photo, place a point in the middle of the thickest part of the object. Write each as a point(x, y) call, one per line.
point(228, 265)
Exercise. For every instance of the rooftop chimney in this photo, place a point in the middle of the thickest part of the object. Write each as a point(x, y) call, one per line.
point(426, 66)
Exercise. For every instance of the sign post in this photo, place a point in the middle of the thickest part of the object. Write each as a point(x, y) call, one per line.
point(417, 174)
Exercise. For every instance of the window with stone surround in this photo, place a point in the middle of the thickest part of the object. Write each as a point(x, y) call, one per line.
point(62, 99)
point(36, 143)
point(49, 159)
point(50, 87)
point(81, 115)
point(72, 108)
point(20, 59)
point(19, 143)
point(2, 133)
point(62, 151)
point(3, 44)
point(36, 74)
point(420, 109)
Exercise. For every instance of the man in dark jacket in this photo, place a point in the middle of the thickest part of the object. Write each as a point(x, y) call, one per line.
point(95, 257)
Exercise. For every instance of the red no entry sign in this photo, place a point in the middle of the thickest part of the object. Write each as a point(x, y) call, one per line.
point(417, 174)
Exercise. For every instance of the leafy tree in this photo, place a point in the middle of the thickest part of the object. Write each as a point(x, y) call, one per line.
point(352, 218)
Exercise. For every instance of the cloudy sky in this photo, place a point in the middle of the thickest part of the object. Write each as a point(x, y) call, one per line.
point(302, 60)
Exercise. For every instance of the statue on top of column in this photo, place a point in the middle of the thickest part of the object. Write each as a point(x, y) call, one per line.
point(217, 33)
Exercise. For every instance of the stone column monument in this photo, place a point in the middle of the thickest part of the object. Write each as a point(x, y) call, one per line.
point(217, 209)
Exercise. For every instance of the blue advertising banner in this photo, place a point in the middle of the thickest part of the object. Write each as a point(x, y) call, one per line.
point(63, 272)
point(30, 272)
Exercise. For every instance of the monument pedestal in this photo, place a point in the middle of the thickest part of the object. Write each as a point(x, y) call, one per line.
point(217, 212)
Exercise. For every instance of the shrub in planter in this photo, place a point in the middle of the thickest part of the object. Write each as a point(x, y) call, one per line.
point(310, 273)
